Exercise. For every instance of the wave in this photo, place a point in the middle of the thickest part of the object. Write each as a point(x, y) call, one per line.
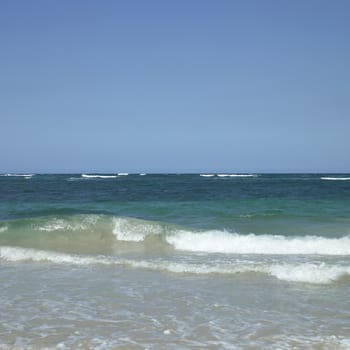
point(98, 176)
point(135, 230)
point(26, 176)
point(103, 233)
point(234, 243)
point(228, 175)
point(123, 174)
point(335, 178)
point(315, 273)
point(237, 175)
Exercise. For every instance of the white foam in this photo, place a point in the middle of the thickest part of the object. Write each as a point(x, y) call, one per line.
point(142, 174)
point(309, 272)
point(3, 229)
point(319, 273)
point(98, 176)
point(243, 175)
point(207, 175)
point(233, 243)
point(27, 176)
point(79, 222)
point(236, 175)
point(134, 230)
point(123, 174)
point(335, 178)
point(14, 254)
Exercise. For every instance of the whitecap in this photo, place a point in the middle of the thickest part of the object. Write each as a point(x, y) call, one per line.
point(237, 175)
point(86, 176)
point(134, 230)
point(233, 243)
point(19, 175)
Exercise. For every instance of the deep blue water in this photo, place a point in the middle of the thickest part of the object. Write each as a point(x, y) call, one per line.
point(284, 204)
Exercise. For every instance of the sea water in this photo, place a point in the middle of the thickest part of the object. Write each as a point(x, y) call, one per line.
point(174, 261)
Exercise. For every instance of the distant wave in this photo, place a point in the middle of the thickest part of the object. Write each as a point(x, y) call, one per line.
point(315, 273)
point(98, 176)
point(228, 175)
point(335, 178)
point(237, 175)
point(26, 176)
point(123, 174)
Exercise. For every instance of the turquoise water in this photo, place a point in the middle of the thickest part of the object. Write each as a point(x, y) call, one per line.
point(220, 244)
point(262, 202)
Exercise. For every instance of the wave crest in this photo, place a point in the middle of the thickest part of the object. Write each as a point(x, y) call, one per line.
point(85, 176)
point(135, 230)
point(314, 273)
point(234, 243)
point(84, 233)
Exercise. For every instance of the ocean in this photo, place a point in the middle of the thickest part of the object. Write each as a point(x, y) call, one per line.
point(175, 261)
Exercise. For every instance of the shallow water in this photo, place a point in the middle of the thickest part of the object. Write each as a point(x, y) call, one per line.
point(103, 307)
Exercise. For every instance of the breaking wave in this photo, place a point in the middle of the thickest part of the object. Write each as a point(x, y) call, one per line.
point(315, 273)
point(335, 178)
point(18, 175)
point(135, 243)
point(103, 233)
point(86, 176)
point(233, 243)
point(237, 175)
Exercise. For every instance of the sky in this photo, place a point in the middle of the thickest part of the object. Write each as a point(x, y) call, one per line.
point(174, 86)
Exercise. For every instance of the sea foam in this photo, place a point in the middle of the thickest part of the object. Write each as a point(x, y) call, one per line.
point(86, 176)
point(335, 178)
point(315, 273)
point(237, 175)
point(233, 243)
point(134, 230)
point(216, 241)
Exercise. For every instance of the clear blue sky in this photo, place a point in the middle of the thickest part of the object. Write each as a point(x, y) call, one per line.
point(174, 86)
